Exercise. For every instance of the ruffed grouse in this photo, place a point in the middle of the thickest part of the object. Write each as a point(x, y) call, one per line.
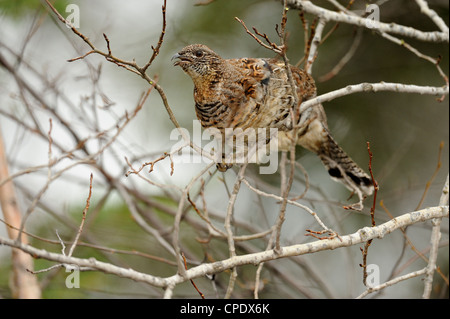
point(256, 93)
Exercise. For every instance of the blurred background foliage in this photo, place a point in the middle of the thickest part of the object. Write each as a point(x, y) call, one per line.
point(404, 130)
point(20, 8)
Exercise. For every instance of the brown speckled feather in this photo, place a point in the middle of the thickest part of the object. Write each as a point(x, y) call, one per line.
point(255, 93)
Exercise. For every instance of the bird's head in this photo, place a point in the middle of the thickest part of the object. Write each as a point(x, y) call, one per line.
point(198, 61)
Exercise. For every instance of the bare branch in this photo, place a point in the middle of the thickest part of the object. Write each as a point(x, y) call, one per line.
point(375, 87)
point(83, 218)
point(434, 240)
point(328, 15)
point(358, 237)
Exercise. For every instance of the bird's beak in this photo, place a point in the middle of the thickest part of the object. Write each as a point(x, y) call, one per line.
point(176, 57)
point(179, 59)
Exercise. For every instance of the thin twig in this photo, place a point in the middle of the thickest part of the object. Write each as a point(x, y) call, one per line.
point(345, 59)
point(271, 46)
point(83, 218)
point(229, 230)
point(316, 41)
point(372, 215)
point(160, 40)
point(392, 282)
point(430, 181)
point(192, 282)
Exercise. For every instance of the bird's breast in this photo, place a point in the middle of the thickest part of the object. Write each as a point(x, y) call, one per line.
point(212, 114)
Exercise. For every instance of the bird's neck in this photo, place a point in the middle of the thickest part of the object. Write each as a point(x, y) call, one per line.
point(208, 86)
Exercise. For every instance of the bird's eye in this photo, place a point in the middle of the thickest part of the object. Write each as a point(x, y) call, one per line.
point(198, 53)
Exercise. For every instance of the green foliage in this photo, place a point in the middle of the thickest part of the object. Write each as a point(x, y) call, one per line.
point(18, 8)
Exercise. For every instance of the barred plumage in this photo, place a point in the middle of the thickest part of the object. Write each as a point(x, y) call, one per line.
point(255, 93)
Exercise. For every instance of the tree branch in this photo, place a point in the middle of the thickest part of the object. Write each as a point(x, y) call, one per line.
point(362, 235)
point(23, 284)
point(328, 15)
point(375, 87)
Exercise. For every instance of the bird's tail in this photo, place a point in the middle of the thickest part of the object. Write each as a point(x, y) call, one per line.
point(343, 169)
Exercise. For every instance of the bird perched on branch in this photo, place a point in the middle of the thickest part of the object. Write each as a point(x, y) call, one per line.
point(258, 93)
